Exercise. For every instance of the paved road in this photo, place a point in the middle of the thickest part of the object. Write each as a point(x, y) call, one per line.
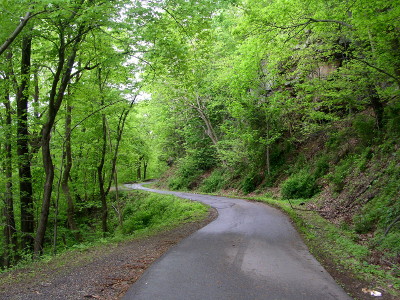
point(251, 251)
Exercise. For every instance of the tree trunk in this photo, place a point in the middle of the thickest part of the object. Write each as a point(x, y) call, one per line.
point(120, 131)
point(203, 115)
point(16, 32)
point(139, 170)
point(65, 178)
point(103, 196)
point(210, 129)
point(118, 207)
point(24, 168)
point(377, 106)
point(144, 169)
point(116, 186)
point(104, 191)
point(11, 245)
point(268, 158)
point(48, 189)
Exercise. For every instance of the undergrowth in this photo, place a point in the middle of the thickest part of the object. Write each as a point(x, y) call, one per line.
point(159, 211)
point(144, 214)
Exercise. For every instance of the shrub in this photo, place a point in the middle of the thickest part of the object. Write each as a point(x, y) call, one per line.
point(186, 174)
point(180, 182)
point(340, 173)
point(190, 169)
point(251, 182)
point(365, 129)
point(336, 138)
point(321, 166)
point(364, 158)
point(364, 223)
point(299, 185)
point(214, 182)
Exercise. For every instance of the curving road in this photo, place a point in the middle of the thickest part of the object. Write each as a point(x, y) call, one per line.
point(251, 251)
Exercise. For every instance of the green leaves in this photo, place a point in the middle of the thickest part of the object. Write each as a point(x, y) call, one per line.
point(230, 81)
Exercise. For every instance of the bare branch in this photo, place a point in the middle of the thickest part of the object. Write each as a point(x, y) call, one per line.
point(310, 21)
point(379, 70)
point(290, 26)
point(330, 21)
point(93, 113)
point(86, 67)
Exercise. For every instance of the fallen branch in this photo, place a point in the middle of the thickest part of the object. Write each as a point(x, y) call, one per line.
point(391, 225)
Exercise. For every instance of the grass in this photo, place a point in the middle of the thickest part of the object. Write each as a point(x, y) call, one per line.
point(157, 211)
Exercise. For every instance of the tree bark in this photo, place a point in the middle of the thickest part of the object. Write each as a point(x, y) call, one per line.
point(139, 171)
point(118, 207)
point(100, 169)
point(24, 168)
point(268, 150)
point(120, 131)
point(65, 178)
point(144, 169)
point(103, 196)
point(48, 188)
point(11, 244)
point(377, 106)
point(104, 191)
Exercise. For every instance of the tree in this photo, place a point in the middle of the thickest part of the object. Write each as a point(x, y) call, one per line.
point(62, 45)
point(72, 27)
point(67, 173)
point(24, 169)
point(254, 75)
point(10, 237)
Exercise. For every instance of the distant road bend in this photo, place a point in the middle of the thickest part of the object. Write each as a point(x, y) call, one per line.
point(251, 251)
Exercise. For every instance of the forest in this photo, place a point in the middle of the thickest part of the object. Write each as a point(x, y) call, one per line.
point(287, 99)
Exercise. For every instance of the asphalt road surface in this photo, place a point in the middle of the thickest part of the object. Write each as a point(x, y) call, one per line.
point(251, 251)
